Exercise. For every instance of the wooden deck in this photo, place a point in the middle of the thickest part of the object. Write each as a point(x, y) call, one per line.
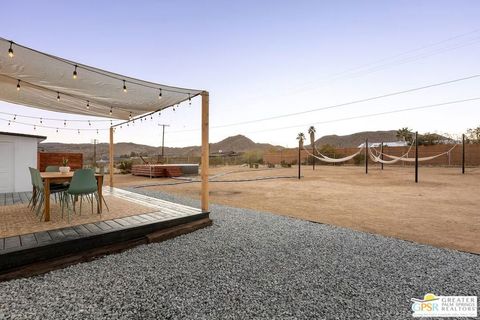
point(35, 253)
point(164, 170)
point(10, 198)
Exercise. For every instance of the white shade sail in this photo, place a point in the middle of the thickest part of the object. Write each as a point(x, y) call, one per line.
point(42, 78)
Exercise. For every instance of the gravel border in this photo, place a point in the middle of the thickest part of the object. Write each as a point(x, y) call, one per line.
point(248, 265)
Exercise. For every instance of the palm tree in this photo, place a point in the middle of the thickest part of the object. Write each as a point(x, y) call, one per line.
point(405, 134)
point(300, 138)
point(312, 131)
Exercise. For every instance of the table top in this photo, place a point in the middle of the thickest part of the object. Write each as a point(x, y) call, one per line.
point(53, 175)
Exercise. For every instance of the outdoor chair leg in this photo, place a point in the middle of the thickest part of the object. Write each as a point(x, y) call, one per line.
point(81, 199)
point(105, 202)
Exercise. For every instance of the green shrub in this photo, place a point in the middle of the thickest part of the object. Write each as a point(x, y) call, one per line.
point(359, 159)
point(125, 166)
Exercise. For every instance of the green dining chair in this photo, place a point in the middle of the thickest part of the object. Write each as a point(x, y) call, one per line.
point(52, 169)
point(40, 192)
point(55, 185)
point(83, 184)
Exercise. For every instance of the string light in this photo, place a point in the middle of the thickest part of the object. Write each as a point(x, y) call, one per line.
point(64, 123)
point(160, 94)
point(89, 123)
point(124, 86)
point(151, 117)
point(14, 117)
point(10, 50)
point(130, 116)
point(75, 72)
point(189, 100)
point(41, 121)
point(111, 111)
point(34, 127)
point(18, 85)
point(88, 105)
point(56, 130)
point(97, 131)
point(58, 96)
point(8, 122)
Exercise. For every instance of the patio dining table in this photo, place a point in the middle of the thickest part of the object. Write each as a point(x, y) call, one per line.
point(49, 177)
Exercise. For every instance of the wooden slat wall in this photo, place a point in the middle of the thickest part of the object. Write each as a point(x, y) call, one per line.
point(472, 154)
point(44, 159)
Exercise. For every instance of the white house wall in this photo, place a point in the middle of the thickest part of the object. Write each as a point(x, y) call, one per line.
point(25, 155)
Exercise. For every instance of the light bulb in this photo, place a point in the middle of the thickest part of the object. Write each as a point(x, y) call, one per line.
point(10, 50)
point(75, 72)
point(160, 94)
point(18, 85)
point(88, 105)
point(58, 96)
point(124, 86)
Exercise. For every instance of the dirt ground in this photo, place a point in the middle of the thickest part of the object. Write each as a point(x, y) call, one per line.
point(443, 209)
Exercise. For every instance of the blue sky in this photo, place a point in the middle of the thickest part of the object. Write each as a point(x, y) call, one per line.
point(263, 58)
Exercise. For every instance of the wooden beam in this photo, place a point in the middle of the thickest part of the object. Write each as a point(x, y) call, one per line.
point(205, 151)
point(110, 151)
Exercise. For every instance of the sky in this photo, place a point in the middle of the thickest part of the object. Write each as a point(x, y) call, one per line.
point(261, 59)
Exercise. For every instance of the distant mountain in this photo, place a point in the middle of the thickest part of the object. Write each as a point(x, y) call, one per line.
point(238, 143)
point(355, 139)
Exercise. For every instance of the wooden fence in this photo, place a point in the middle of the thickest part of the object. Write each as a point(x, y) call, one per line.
point(454, 158)
point(44, 159)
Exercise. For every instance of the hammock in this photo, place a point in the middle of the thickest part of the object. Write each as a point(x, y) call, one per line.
point(377, 157)
point(421, 159)
point(402, 158)
point(333, 160)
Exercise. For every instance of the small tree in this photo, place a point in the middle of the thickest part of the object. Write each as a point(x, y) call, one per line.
point(405, 134)
point(473, 135)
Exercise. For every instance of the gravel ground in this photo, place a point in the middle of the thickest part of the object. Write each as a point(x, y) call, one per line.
point(248, 265)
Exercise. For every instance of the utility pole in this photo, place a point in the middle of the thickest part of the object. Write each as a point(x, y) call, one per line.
point(416, 156)
point(94, 162)
point(163, 139)
point(463, 153)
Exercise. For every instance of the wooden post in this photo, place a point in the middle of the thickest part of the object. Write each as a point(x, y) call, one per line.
point(381, 155)
point(205, 151)
point(110, 151)
point(463, 153)
point(366, 156)
point(416, 157)
point(313, 157)
point(299, 160)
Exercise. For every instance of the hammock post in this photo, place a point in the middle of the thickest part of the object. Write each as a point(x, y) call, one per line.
point(416, 156)
point(463, 153)
point(381, 155)
point(366, 156)
point(299, 161)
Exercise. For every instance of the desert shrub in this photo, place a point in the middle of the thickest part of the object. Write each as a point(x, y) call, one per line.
point(253, 157)
point(359, 159)
point(125, 166)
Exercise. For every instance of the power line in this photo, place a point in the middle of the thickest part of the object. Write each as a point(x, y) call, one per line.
point(376, 66)
point(373, 114)
point(339, 105)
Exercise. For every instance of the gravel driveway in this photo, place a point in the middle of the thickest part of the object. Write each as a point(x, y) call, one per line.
point(248, 265)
